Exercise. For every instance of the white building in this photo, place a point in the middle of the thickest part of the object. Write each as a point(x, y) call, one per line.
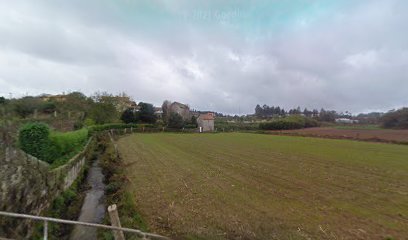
point(346, 120)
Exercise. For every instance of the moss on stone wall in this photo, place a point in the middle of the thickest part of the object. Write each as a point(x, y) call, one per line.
point(29, 186)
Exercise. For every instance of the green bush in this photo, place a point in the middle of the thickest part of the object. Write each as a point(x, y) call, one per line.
point(37, 140)
point(129, 116)
point(69, 141)
point(34, 139)
point(235, 126)
point(292, 122)
point(396, 119)
point(113, 187)
point(190, 126)
point(175, 121)
point(104, 127)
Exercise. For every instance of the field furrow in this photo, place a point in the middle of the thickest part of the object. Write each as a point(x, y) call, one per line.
point(252, 186)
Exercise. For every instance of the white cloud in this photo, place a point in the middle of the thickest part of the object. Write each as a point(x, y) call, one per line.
point(368, 59)
point(354, 58)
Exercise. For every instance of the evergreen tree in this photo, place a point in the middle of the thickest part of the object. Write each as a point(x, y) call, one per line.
point(129, 116)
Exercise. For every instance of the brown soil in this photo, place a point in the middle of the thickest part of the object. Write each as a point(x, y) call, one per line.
point(254, 186)
point(380, 135)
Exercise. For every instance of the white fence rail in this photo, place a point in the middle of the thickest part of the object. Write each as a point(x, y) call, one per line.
point(141, 234)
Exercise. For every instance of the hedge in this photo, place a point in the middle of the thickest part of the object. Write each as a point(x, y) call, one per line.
point(37, 140)
point(103, 127)
point(34, 139)
point(69, 141)
point(292, 122)
point(236, 126)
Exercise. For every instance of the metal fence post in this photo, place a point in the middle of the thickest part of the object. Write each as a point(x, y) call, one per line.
point(45, 230)
point(115, 221)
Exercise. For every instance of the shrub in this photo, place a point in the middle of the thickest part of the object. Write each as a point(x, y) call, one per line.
point(292, 122)
point(146, 113)
point(103, 112)
point(396, 119)
point(37, 140)
point(113, 187)
point(26, 106)
point(309, 122)
point(222, 125)
point(69, 141)
point(194, 121)
point(48, 107)
point(190, 126)
point(34, 139)
point(78, 125)
point(89, 122)
point(103, 127)
point(129, 116)
point(175, 121)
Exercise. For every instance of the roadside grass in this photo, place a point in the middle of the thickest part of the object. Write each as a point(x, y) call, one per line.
point(113, 169)
point(253, 186)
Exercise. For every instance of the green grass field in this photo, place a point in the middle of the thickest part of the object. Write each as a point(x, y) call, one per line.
point(254, 186)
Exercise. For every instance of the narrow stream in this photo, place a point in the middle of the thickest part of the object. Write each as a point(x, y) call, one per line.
point(93, 208)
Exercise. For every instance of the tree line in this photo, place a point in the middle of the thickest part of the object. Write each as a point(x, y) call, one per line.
point(397, 119)
point(323, 115)
point(99, 108)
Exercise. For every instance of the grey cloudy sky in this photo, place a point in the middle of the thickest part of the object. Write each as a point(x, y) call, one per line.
point(225, 56)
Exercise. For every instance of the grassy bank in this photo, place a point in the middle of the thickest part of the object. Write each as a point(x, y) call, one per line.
point(115, 180)
point(253, 186)
point(53, 147)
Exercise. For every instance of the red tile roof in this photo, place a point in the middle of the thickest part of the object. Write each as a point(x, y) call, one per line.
point(207, 116)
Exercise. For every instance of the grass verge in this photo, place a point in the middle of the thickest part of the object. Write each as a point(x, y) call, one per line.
point(115, 181)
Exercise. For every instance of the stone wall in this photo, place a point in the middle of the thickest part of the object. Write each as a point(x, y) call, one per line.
point(207, 125)
point(28, 185)
point(181, 109)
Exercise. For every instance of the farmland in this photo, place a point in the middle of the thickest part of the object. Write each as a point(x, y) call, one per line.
point(368, 133)
point(254, 186)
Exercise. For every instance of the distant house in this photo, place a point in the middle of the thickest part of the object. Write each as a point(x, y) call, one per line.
point(346, 120)
point(205, 122)
point(122, 103)
point(55, 98)
point(181, 109)
point(158, 112)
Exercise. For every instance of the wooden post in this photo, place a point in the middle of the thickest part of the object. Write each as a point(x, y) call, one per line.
point(115, 221)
